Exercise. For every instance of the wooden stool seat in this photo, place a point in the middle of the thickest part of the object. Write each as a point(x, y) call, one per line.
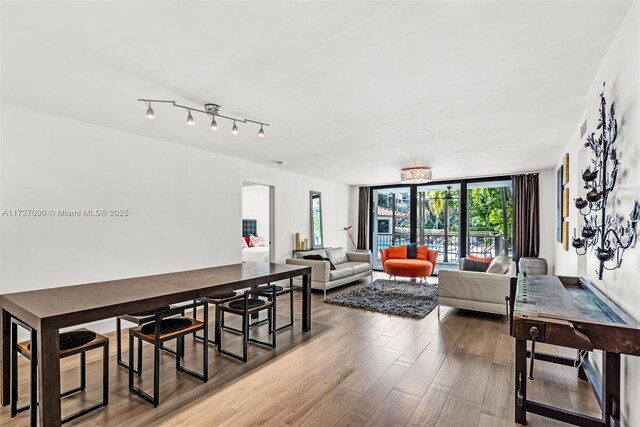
point(73, 342)
point(253, 304)
point(169, 328)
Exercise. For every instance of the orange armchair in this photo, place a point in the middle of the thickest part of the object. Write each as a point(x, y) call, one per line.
point(408, 267)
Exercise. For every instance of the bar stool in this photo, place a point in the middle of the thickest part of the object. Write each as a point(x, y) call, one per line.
point(245, 307)
point(75, 342)
point(139, 318)
point(216, 300)
point(280, 290)
point(162, 329)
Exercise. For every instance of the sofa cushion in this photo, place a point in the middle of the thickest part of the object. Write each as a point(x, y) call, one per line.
point(397, 252)
point(358, 267)
point(336, 255)
point(341, 272)
point(481, 259)
point(320, 252)
point(473, 265)
point(499, 265)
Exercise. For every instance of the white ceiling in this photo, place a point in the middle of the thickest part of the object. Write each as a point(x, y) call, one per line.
point(354, 91)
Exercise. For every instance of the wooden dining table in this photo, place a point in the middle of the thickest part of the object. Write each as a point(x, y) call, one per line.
point(49, 310)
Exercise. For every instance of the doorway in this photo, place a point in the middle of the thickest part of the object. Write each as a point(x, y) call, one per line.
point(258, 225)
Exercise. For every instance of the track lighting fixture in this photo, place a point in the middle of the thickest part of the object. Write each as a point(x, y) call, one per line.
point(150, 114)
point(211, 110)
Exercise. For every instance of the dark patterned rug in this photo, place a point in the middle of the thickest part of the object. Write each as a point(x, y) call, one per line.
point(406, 299)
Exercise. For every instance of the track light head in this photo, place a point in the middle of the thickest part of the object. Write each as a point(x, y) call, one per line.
point(234, 129)
point(261, 132)
point(150, 114)
point(190, 121)
point(214, 124)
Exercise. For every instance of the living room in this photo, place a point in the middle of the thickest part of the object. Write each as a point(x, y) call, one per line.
point(422, 133)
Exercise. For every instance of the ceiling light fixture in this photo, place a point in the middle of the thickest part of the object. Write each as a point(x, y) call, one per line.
point(150, 114)
point(211, 110)
point(415, 175)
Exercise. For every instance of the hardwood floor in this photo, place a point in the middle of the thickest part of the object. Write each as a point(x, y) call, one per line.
point(355, 368)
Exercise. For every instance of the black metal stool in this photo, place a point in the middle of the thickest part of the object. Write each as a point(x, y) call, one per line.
point(139, 319)
point(280, 290)
point(245, 307)
point(162, 329)
point(216, 300)
point(75, 342)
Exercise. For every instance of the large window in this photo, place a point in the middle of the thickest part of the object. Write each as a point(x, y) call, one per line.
point(459, 218)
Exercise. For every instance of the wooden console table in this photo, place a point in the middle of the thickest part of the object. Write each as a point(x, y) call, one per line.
point(49, 310)
point(569, 312)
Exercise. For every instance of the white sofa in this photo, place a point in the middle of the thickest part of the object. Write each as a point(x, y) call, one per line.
point(475, 291)
point(350, 267)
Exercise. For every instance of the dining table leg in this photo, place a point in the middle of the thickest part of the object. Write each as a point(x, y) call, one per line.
point(306, 302)
point(6, 356)
point(49, 376)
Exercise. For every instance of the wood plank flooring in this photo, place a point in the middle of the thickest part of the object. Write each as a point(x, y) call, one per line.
point(356, 368)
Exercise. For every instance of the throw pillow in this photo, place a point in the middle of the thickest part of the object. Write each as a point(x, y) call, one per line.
point(336, 255)
point(257, 241)
point(473, 265)
point(423, 251)
point(247, 240)
point(397, 252)
point(499, 265)
point(317, 257)
point(412, 251)
point(481, 259)
point(244, 243)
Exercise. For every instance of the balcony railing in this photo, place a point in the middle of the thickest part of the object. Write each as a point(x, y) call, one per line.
point(481, 243)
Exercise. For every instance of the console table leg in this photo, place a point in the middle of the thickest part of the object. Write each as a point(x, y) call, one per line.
point(520, 379)
point(611, 389)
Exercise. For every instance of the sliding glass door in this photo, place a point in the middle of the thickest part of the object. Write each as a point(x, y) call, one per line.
point(457, 218)
point(489, 218)
point(438, 220)
point(391, 220)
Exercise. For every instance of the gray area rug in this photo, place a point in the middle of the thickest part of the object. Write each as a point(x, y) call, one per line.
point(406, 299)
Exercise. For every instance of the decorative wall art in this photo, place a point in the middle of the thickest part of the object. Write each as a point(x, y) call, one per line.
point(608, 235)
point(565, 169)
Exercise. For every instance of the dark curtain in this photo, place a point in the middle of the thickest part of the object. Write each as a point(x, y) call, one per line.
point(363, 218)
point(526, 216)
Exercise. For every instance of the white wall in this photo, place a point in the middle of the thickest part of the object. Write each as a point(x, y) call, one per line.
point(621, 71)
point(292, 208)
point(184, 203)
point(255, 205)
